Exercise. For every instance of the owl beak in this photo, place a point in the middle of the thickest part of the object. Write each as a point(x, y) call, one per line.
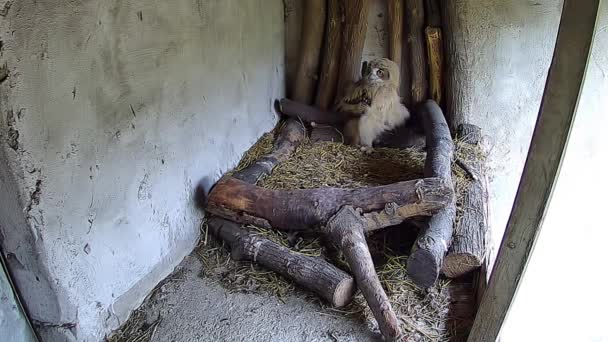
point(374, 74)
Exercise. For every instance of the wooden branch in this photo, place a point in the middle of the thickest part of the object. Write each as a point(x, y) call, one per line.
point(469, 240)
point(313, 273)
point(434, 44)
point(395, 30)
point(290, 136)
point(549, 140)
point(347, 228)
point(310, 51)
point(355, 28)
point(428, 252)
point(383, 205)
point(328, 80)
point(414, 16)
point(306, 113)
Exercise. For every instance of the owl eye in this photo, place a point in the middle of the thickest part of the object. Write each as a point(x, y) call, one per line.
point(380, 73)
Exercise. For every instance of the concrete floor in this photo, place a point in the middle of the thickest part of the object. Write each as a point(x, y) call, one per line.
point(188, 307)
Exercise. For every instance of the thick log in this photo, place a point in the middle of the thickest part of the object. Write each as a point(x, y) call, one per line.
point(434, 44)
point(382, 206)
point(395, 31)
point(310, 51)
point(429, 250)
point(307, 113)
point(328, 79)
point(355, 27)
point(291, 134)
point(469, 240)
point(313, 273)
point(414, 16)
point(347, 228)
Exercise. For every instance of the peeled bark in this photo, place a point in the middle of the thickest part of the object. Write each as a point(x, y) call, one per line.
point(429, 250)
point(382, 206)
point(328, 80)
point(310, 51)
point(434, 44)
point(313, 273)
point(347, 228)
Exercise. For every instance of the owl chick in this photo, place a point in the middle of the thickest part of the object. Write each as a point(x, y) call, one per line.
point(375, 102)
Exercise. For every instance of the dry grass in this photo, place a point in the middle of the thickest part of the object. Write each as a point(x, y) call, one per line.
point(423, 313)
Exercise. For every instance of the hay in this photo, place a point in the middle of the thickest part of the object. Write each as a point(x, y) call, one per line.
point(423, 314)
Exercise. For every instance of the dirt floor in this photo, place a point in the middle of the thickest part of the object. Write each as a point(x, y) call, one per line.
point(190, 307)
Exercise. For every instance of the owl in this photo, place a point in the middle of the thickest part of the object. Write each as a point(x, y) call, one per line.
point(375, 103)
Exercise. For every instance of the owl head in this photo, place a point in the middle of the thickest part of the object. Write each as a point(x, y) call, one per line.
point(381, 70)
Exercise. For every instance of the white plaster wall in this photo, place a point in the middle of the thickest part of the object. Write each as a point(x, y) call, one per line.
point(563, 292)
point(121, 107)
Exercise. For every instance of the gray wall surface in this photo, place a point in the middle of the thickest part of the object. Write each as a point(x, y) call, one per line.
point(111, 113)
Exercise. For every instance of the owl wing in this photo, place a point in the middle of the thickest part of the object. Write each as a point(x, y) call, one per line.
point(357, 101)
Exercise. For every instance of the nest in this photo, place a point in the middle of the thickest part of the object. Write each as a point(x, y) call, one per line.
point(422, 313)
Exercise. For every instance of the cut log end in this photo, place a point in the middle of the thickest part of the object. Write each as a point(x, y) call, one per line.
point(418, 265)
point(458, 264)
point(344, 292)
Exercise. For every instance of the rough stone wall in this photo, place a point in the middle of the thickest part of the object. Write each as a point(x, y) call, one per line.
point(110, 113)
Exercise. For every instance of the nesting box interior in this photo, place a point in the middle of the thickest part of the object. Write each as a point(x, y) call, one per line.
point(211, 170)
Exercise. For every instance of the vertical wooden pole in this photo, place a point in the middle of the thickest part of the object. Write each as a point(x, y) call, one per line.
point(549, 141)
point(395, 30)
point(310, 50)
point(355, 27)
point(330, 64)
point(414, 10)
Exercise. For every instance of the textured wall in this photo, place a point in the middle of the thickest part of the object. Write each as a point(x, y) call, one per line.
point(111, 113)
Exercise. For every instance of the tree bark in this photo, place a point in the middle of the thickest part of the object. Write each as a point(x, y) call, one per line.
point(469, 243)
point(289, 137)
point(307, 113)
point(328, 81)
point(429, 250)
point(313, 273)
point(347, 228)
point(414, 10)
point(355, 27)
point(382, 206)
point(310, 51)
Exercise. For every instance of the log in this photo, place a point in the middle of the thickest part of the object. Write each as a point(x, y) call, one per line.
point(347, 228)
point(395, 31)
point(291, 134)
point(414, 16)
point(307, 113)
point(313, 273)
point(469, 240)
point(428, 252)
point(355, 27)
point(328, 79)
point(434, 44)
point(310, 50)
point(382, 206)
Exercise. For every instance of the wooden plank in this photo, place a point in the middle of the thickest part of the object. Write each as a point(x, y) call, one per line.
point(549, 140)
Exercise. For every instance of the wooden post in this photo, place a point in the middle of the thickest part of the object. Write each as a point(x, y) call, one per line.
point(328, 80)
point(355, 27)
point(434, 44)
point(469, 241)
point(414, 10)
point(427, 254)
point(310, 51)
point(395, 31)
point(549, 141)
